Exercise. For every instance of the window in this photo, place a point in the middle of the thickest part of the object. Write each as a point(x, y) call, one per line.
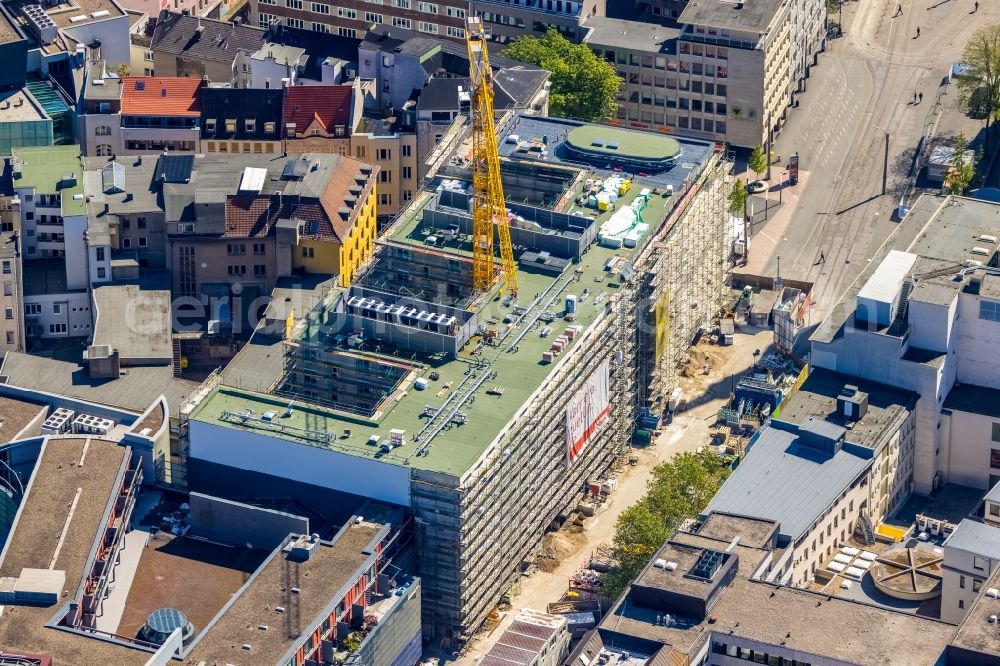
point(237, 269)
point(320, 27)
point(251, 126)
point(384, 154)
point(456, 32)
point(269, 128)
point(995, 455)
point(125, 223)
point(372, 17)
point(31, 309)
point(455, 12)
point(979, 563)
point(103, 150)
point(407, 195)
point(359, 151)
point(57, 328)
point(347, 32)
point(100, 254)
point(293, 4)
point(142, 223)
point(259, 270)
point(384, 199)
point(994, 509)
point(320, 8)
point(8, 313)
point(103, 130)
point(406, 151)
point(258, 248)
point(996, 432)
point(977, 585)
point(345, 12)
point(427, 7)
point(8, 289)
point(961, 603)
point(102, 272)
point(57, 308)
point(384, 176)
point(294, 22)
point(308, 252)
point(401, 22)
point(961, 582)
point(143, 241)
point(402, 4)
point(126, 243)
point(236, 249)
point(407, 173)
point(10, 337)
point(424, 26)
point(230, 125)
point(265, 20)
point(989, 310)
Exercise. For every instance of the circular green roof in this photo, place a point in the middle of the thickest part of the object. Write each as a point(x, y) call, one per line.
point(624, 143)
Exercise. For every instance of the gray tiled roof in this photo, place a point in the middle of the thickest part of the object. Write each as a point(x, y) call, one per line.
point(218, 42)
point(975, 537)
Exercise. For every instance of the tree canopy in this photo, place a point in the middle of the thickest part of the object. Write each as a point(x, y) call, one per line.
point(678, 490)
point(738, 199)
point(979, 84)
point(962, 169)
point(584, 86)
point(757, 162)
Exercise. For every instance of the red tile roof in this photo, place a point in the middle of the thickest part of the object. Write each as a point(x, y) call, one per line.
point(161, 96)
point(329, 105)
point(249, 216)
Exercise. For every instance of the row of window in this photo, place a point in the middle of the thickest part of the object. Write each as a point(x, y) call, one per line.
point(238, 147)
point(681, 83)
point(756, 656)
point(249, 125)
point(644, 119)
point(33, 309)
point(237, 270)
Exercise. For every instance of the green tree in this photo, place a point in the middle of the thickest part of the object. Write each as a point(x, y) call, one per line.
point(979, 85)
point(738, 199)
point(962, 170)
point(757, 162)
point(678, 490)
point(122, 70)
point(584, 86)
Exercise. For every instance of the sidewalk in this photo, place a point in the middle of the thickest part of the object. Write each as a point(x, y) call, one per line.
point(767, 237)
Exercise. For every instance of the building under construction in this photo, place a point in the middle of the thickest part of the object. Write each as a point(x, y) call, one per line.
point(487, 416)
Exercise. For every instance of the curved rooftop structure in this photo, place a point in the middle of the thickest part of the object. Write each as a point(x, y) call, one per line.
point(641, 150)
point(908, 573)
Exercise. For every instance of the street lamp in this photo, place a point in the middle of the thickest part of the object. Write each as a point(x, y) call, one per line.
point(784, 176)
point(885, 162)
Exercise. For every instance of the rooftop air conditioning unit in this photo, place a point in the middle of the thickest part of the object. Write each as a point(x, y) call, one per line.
point(981, 251)
point(986, 238)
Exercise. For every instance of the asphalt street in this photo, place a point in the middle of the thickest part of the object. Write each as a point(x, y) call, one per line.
point(863, 87)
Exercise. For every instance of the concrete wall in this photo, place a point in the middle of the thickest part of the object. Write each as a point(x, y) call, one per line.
point(962, 581)
point(74, 312)
point(237, 523)
point(978, 340)
point(931, 325)
point(113, 33)
point(259, 452)
point(77, 272)
point(966, 440)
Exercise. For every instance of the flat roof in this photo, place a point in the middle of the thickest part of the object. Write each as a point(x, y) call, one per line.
point(752, 532)
point(941, 231)
point(45, 168)
point(974, 399)
point(16, 415)
point(631, 35)
point(519, 373)
point(748, 16)
point(784, 480)
point(45, 510)
point(817, 398)
point(134, 321)
point(977, 633)
point(133, 392)
point(330, 567)
point(975, 537)
point(630, 143)
point(678, 580)
point(9, 33)
point(83, 11)
point(45, 276)
point(797, 620)
point(20, 106)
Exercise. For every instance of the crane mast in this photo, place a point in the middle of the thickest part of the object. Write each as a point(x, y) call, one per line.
point(489, 208)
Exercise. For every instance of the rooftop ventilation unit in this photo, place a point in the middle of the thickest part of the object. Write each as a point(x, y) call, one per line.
point(40, 24)
point(88, 424)
point(980, 251)
point(58, 422)
point(986, 238)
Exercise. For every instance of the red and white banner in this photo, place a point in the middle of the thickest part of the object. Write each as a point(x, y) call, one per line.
point(588, 410)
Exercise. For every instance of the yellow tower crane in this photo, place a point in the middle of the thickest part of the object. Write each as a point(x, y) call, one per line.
point(489, 208)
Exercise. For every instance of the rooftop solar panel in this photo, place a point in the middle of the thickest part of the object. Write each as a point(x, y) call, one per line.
point(174, 168)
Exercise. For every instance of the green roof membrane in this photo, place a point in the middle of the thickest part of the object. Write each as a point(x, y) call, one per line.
point(518, 374)
point(644, 145)
point(45, 168)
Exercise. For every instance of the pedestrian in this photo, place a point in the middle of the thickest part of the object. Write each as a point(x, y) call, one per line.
point(921, 98)
point(899, 10)
point(976, 7)
point(822, 257)
point(918, 31)
point(914, 96)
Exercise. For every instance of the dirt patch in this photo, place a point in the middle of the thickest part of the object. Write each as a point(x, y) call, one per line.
point(560, 546)
point(196, 577)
